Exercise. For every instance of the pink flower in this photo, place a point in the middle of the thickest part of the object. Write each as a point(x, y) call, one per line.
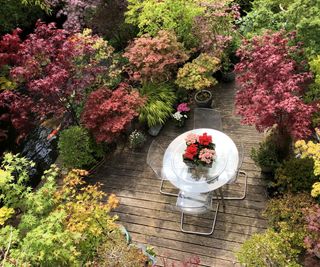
point(191, 138)
point(183, 107)
point(207, 155)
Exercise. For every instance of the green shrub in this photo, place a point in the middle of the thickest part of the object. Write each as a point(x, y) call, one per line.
point(136, 139)
point(295, 175)
point(151, 16)
point(159, 106)
point(269, 249)
point(289, 209)
point(62, 225)
point(78, 149)
point(313, 93)
point(14, 176)
point(266, 155)
point(297, 15)
point(14, 14)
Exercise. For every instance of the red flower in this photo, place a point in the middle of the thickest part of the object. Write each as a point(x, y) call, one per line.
point(205, 139)
point(188, 156)
point(191, 151)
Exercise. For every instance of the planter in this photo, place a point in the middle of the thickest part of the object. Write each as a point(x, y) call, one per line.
point(155, 130)
point(151, 259)
point(203, 98)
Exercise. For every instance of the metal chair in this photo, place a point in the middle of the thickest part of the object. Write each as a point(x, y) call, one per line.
point(196, 204)
point(207, 118)
point(155, 162)
point(239, 172)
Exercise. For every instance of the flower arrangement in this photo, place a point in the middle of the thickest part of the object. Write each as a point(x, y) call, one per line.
point(200, 150)
point(181, 114)
point(136, 139)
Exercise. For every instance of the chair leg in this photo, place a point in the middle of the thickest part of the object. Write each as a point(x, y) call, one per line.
point(166, 193)
point(244, 194)
point(200, 233)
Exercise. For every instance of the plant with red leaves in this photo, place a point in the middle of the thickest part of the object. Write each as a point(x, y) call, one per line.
point(154, 59)
point(16, 111)
point(107, 113)
point(312, 240)
point(272, 84)
point(9, 46)
point(58, 68)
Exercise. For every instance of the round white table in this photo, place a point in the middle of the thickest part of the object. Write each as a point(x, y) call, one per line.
point(223, 170)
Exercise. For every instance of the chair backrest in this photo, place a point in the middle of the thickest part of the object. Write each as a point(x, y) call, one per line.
point(194, 203)
point(207, 118)
point(155, 157)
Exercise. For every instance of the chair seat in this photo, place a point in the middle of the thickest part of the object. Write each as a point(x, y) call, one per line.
point(193, 203)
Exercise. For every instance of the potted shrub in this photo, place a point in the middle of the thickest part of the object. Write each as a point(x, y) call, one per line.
point(159, 105)
point(137, 139)
point(181, 114)
point(197, 75)
point(269, 249)
point(78, 149)
point(266, 156)
point(295, 175)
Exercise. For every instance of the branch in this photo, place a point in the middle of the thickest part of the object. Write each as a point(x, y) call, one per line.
point(9, 245)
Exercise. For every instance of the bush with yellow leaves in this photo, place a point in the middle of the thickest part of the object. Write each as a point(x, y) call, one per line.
point(60, 225)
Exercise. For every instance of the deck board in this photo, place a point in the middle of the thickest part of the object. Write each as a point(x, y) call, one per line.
point(153, 219)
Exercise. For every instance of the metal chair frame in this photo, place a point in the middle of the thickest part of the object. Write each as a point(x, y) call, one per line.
point(155, 171)
point(238, 173)
point(207, 209)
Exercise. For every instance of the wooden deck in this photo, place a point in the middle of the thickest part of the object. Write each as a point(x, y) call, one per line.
point(152, 218)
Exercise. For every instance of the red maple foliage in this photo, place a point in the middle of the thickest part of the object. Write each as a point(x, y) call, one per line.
point(154, 59)
point(50, 67)
point(9, 46)
point(107, 113)
point(271, 85)
point(15, 110)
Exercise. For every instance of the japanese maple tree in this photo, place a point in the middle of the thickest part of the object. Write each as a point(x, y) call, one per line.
point(15, 108)
point(107, 113)
point(271, 85)
point(154, 59)
point(58, 69)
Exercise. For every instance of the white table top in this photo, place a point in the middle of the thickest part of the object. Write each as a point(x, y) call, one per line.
point(178, 173)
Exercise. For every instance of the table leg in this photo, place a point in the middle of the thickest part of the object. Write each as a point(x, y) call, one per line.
point(222, 199)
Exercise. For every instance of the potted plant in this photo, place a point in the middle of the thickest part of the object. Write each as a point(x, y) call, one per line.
point(78, 149)
point(181, 114)
point(137, 139)
point(266, 156)
point(203, 98)
point(197, 75)
point(158, 107)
